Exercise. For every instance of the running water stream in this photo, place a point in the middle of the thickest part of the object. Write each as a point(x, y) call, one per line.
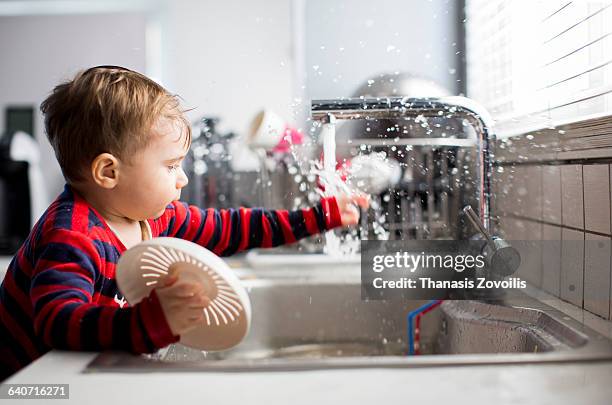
point(328, 134)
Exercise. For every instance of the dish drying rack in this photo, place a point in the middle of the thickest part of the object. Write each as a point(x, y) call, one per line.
point(443, 148)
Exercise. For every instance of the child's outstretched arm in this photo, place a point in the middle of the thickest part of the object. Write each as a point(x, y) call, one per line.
point(226, 232)
point(68, 314)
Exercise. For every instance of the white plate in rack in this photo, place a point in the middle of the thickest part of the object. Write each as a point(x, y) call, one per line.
point(228, 316)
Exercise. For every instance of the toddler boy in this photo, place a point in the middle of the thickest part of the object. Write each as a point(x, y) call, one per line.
point(120, 138)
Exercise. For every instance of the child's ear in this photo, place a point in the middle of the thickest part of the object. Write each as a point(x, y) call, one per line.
point(104, 170)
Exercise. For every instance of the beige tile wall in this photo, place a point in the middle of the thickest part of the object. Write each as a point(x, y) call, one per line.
point(565, 208)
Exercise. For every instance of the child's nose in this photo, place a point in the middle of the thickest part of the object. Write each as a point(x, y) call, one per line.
point(181, 180)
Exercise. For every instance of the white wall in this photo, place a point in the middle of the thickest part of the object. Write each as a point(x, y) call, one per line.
point(229, 58)
point(349, 41)
point(38, 52)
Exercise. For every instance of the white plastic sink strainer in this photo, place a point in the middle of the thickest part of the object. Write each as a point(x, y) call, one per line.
point(228, 316)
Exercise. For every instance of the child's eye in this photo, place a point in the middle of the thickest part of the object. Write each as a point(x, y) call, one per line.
point(173, 167)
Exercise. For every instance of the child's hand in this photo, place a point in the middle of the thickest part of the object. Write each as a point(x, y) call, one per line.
point(348, 205)
point(183, 304)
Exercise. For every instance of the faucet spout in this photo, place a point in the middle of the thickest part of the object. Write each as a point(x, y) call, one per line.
point(327, 111)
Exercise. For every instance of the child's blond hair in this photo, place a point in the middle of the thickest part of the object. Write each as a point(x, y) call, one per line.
point(105, 109)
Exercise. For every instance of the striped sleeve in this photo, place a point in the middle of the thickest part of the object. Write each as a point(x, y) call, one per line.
point(226, 232)
point(65, 316)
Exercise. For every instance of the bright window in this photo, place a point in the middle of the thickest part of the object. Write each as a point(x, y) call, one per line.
point(537, 64)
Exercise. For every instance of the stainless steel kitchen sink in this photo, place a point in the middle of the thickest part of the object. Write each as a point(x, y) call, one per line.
point(320, 324)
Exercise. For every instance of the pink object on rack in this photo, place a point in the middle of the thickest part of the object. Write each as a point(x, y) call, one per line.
point(291, 136)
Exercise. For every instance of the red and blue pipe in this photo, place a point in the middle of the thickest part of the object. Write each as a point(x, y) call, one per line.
point(414, 325)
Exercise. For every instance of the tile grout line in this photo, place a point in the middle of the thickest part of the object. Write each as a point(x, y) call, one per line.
point(570, 228)
point(609, 267)
point(561, 220)
point(583, 234)
point(541, 216)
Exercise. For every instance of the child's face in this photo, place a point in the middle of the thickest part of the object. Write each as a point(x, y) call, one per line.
point(154, 177)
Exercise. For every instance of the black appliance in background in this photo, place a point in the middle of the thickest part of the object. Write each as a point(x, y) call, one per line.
point(207, 165)
point(15, 199)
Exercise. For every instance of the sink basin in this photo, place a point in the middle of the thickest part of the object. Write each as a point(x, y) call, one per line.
point(321, 324)
point(284, 263)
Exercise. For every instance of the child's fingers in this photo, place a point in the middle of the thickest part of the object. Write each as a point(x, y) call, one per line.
point(348, 214)
point(350, 218)
point(170, 280)
point(362, 200)
point(358, 199)
point(185, 290)
point(196, 317)
point(194, 312)
point(190, 291)
point(199, 301)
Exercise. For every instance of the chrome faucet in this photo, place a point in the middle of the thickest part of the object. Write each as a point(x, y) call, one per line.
point(503, 259)
point(326, 111)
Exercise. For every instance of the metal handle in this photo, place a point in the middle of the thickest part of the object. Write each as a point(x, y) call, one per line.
point(469, 212)
point(503, 259)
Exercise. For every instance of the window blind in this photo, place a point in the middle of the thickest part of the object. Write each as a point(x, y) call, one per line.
point(539, 64)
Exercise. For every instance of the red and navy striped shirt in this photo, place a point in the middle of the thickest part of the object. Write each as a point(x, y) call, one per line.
point(60, 291)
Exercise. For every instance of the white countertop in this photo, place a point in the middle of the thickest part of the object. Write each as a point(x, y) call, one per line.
point(588, 383)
